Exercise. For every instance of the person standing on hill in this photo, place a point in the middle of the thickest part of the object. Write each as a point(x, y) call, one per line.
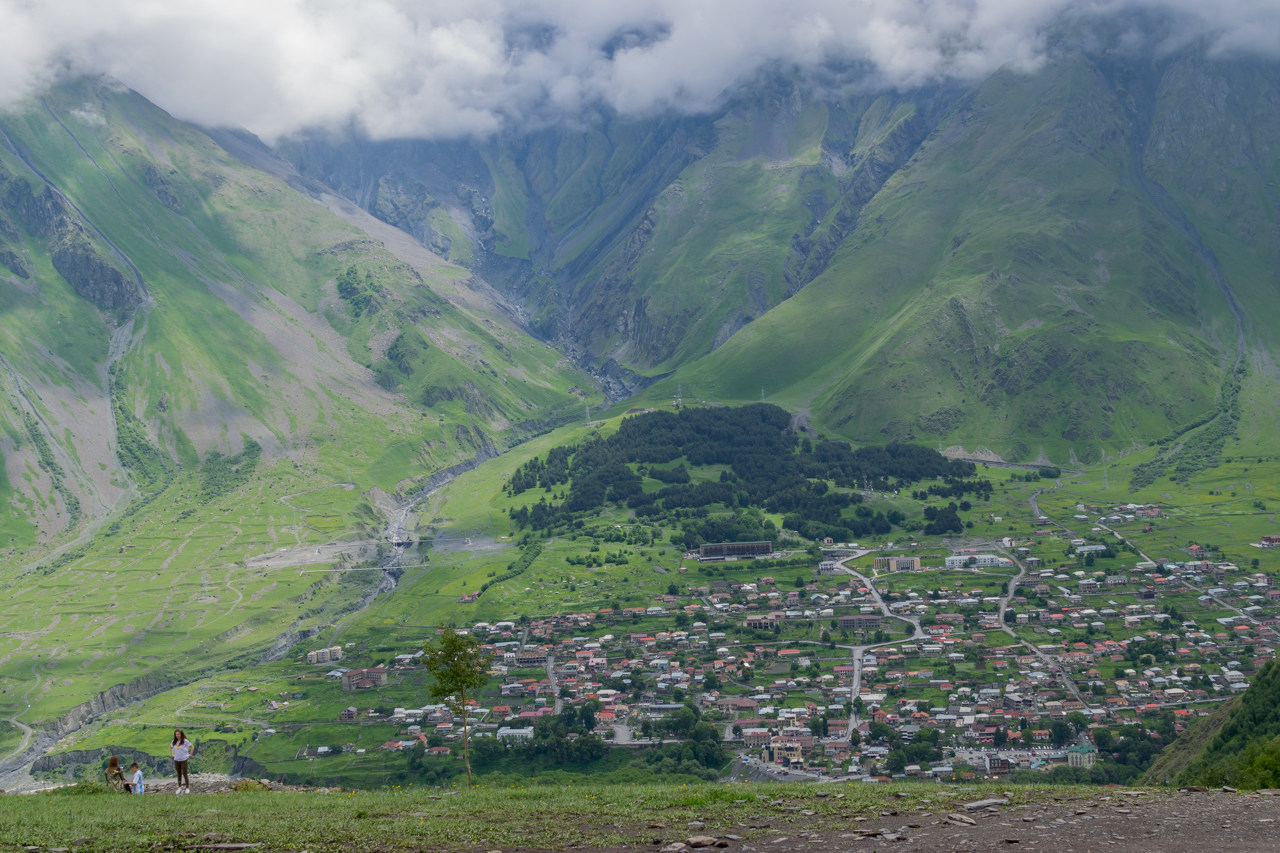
point(181, 750)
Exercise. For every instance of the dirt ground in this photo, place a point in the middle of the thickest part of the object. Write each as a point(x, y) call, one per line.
point(1155, 823)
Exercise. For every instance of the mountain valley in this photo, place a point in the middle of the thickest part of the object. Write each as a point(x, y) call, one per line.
point(266, 394)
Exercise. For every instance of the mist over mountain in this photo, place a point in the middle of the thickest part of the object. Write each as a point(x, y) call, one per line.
point(442, 70)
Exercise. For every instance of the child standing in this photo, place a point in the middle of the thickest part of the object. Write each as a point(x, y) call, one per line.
point(138, 785)
point(181, 750)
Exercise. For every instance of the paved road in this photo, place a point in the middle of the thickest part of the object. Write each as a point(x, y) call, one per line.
point(555, 687)
point(912, 619)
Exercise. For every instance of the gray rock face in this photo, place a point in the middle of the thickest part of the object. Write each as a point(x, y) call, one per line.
point(77, 757)
point(77, 257)
point(161, 188)
point(110, 699)
point(14, 263)
point(91, 272)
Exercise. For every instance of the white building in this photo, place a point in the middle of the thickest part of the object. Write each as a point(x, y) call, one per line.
point(981, 561)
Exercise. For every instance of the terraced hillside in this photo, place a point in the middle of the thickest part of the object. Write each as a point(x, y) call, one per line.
point(210, 378)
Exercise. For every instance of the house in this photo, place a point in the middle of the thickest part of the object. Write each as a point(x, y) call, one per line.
point(531, 658)
point(1017, 702)
point(328, 655)
point(731, 704)
point(363, 679)
point(895, 564)
point(977, 561)
point(860, 622)
point(734, 550)
point(349, 714)
point(756, 738)
point(508, 733)
point(1082, 755)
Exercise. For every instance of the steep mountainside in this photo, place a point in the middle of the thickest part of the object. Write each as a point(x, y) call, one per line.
point(161, 301)
point(210, 379)
point(1060, 264)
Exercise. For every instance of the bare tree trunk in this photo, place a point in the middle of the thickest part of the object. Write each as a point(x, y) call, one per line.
point(466, 740)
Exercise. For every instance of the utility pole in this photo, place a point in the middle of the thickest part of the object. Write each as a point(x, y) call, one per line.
point(588, 413)
point(762, 394)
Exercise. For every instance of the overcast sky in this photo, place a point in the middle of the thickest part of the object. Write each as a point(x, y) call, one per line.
point(443, 68)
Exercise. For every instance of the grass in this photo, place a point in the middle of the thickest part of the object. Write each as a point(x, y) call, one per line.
point(531, 817)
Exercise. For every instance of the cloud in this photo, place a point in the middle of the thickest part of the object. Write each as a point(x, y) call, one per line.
point(447, 68)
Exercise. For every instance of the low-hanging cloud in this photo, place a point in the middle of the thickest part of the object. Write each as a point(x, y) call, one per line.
point(447, 68)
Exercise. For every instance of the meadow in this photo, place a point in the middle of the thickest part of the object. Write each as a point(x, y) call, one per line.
point(530, 817)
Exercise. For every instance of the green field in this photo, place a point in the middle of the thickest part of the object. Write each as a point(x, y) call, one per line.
point(534, 817)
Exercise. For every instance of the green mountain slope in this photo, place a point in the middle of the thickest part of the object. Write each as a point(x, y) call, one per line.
point(1048, 265)
point(209, 378)
point(1240, 744)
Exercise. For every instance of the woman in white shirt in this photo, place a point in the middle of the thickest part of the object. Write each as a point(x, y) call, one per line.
point(181, 750)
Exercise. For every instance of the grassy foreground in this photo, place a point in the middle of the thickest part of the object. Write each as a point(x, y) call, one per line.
point(537, 817)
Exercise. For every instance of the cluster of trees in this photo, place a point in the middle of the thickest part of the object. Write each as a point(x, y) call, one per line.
point(767, 468)
point(222, 474)
point(942, 521)
point(551, 744)
point(701, 754)
point(542, 474)
point(924, 749)
point(518, 567)
point(956, 488)
point(1039, 474)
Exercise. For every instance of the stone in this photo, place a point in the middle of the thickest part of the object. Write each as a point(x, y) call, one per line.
point(657, 826)
point(963, 820)
point(734, 837)
point(1228, 789)
point(1194, 789)
point(674, 847)
point(982, 804)
point(697, 824)
point(700, 841)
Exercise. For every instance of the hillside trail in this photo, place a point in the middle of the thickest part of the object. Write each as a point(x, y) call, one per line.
point(401, 539)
